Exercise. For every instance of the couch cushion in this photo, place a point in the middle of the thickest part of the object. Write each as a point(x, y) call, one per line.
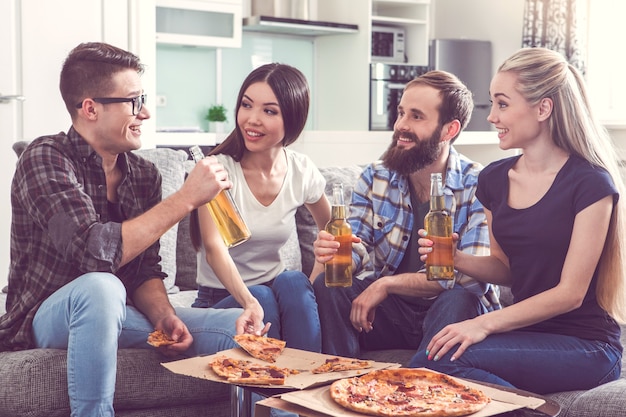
point(38, 383)
point(170, 164)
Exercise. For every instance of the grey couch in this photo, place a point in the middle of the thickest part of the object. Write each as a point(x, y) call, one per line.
point(33, 382)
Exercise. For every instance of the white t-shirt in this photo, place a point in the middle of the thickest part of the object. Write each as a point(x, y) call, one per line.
point(257, 259)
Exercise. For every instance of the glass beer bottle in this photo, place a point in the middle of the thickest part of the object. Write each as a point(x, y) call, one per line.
point(438, 225)
point(224, 212)
point(338, 271)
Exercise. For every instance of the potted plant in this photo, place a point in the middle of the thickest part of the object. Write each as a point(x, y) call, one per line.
point(216, 117)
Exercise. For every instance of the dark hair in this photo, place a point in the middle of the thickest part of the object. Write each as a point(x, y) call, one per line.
point(88, 70)
point(456, 98)
point(292, 92)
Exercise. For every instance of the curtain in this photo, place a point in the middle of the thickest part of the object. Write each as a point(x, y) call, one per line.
point(556, 25)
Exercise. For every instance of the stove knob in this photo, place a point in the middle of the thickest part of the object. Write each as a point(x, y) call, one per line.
point(402, 73)
point(392, 72)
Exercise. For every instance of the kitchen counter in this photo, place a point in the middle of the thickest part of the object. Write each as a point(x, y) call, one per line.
point(329, 148)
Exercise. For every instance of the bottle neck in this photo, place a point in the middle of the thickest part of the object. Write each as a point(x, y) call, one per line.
point(437, 203)
point(338, 212)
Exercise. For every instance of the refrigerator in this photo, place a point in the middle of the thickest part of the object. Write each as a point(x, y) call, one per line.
point(470, 60)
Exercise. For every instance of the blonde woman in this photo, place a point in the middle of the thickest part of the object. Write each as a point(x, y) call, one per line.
point(556, 227)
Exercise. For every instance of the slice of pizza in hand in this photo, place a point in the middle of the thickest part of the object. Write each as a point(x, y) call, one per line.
point(341, 364)
point(159, 338)
point(261, 347)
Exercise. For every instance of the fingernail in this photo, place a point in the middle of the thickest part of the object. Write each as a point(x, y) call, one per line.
point(427, 353)
point(452, 359)
point(430, 358)
point(436, 358)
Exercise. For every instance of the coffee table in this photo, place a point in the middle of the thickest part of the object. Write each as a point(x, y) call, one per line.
point(241, 398)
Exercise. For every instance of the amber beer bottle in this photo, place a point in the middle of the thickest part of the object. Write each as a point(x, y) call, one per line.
point(338, 271)
point(438, 225)
point(225, 213)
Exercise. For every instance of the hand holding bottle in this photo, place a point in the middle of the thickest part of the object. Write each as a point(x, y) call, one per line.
point(205, 181)
point(426, 245)
point(338, 270)
point(224, 211)
point(438, 225)
point(325, 246)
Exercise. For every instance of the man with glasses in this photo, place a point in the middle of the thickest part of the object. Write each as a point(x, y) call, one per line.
point(86, 218)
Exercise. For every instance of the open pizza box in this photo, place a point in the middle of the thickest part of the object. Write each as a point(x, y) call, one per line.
point(300, 360)
point(316, 402)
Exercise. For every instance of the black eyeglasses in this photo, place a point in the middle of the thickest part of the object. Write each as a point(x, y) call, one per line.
point(138, 102)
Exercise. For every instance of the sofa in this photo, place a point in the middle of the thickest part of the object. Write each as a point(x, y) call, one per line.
point(33, 382)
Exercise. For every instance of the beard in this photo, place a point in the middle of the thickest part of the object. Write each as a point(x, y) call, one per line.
point(408, 161)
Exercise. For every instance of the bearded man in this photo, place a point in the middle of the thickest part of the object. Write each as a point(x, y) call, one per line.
point(390, 301)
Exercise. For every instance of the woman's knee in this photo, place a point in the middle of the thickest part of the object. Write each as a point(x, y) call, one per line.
point(291, 281)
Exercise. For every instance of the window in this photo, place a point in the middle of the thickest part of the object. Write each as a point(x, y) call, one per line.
point(606, 62)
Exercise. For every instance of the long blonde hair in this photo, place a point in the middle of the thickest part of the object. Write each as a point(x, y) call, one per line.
point(545, 73)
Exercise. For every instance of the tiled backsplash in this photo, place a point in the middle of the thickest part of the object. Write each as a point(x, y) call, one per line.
point(187, 77)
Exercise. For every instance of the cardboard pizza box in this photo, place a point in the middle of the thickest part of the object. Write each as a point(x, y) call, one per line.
point(301, 360)
point(317, 402)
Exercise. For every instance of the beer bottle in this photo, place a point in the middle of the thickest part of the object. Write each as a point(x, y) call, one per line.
point(438, 225)
point(224, 212)
point(338, 271)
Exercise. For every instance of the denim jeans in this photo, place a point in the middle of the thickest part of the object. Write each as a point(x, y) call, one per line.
point(532, 361)
point(398, 322)
point(89, 317)
point(289, 304)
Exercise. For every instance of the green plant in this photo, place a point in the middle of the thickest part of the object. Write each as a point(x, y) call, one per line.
point(216, 113)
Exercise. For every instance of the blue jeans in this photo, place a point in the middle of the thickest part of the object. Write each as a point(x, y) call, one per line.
point(289, 304)
point(532, 361)
point(90, 319)
point(399, 321)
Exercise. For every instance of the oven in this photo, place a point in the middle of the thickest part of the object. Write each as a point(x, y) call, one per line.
point(387, 81)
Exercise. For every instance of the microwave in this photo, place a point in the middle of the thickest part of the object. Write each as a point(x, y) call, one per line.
point(387, 44)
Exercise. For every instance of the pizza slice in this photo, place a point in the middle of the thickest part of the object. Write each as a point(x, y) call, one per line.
point(261, 347)
point(159, 338)
point(238, 371)
point(341, 364)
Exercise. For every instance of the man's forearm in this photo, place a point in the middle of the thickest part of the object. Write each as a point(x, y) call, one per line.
point(139, 233)
point(151, 299)
point(411, 284)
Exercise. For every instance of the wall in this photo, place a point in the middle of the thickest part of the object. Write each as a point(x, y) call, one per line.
point(186, 76)
point(495, 20)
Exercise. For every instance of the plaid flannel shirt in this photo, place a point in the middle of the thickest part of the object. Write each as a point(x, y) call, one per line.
point(61, 227)
point(381, 216)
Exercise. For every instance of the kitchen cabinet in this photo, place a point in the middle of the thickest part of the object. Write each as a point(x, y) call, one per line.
point(212, 23)
point(413, 17)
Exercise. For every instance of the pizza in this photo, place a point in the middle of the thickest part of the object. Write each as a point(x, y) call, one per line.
point(341, 364)
point(241, 371)
point(159, 338)
point(261, 347)
point(407, 392)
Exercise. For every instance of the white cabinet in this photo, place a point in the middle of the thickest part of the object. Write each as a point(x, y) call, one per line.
point(413, 17)
point(212, 23)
